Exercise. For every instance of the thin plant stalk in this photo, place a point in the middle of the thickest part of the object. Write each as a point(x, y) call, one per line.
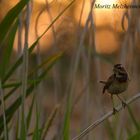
point(39, 89)
point(75, 61)
point(97, 66)
point(25, 69)
point(19, 50)
point(86, 100)
point(56, 78)
point(56, 75)
point(81, 15)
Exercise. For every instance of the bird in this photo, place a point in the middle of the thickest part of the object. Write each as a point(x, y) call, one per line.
point(116, 84)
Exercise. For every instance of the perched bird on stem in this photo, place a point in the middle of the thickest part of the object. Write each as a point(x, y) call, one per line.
point(117, 83)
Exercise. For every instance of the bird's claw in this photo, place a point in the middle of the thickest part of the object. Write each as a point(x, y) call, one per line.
point(124, 104)
point(114, 111)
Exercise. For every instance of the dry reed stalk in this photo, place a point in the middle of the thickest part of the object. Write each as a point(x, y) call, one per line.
point(104, 117)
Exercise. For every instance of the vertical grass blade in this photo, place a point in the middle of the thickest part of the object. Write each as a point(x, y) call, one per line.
point(136, 124)
point(22, 129)
point(36, 134)
point(66, 127)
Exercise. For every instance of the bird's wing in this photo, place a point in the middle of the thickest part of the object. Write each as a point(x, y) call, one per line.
point(109, 82)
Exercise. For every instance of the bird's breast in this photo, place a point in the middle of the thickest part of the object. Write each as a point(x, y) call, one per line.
point(117, 87)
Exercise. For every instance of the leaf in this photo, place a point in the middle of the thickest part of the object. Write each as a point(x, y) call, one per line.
point(49, 122)
point(10, 18)
point(36, 134)
point(28, 120)
point(12, 109)
point(8, 50)
point(10, 85)
point(47, 61)
point(66, 126)
point(17, 63)
point(18, 84)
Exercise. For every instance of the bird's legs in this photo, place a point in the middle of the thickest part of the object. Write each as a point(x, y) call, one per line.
point(123, 102)
point(114, 109)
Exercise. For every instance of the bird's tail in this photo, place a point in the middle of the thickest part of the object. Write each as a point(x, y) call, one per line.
point(103, 82)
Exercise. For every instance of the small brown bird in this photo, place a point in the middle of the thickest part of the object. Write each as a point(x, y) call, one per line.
point(117, 83)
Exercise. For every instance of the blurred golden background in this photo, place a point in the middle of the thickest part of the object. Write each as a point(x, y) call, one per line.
point(107, 23)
